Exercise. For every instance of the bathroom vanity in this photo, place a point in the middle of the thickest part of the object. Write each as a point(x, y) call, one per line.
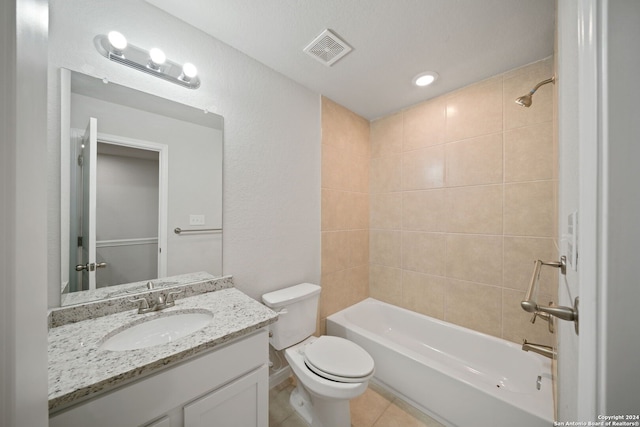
point(217, 375)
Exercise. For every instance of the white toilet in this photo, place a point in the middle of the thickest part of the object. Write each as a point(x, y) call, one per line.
point(330, 370)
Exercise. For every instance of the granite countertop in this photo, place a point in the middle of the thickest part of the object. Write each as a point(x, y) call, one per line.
point(78, 369)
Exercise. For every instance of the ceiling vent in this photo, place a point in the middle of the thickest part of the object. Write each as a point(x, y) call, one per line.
point(327, 48)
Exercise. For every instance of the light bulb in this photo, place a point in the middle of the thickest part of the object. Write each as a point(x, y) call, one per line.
point(425, 79)
point(117, 41)
point(157, 56)
point(189, 70)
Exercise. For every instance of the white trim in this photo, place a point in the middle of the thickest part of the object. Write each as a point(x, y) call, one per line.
point(126, 242)
point(603, 242)
point(163, 183)
point(589, 198)
point(65, 174)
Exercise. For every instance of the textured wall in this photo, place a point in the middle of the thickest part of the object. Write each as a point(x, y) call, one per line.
point(462, 203)
point(271, 183)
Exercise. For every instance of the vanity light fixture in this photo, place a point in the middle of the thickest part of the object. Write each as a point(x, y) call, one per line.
point(425, 79)
point(115, 47)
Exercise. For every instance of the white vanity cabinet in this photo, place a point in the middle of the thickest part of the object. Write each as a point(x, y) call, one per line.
point(227, 386)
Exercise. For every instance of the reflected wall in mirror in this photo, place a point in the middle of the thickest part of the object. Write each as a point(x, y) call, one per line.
point(134, 168)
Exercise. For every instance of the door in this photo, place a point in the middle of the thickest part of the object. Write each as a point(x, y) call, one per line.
point(89, 160)
point(242, 403)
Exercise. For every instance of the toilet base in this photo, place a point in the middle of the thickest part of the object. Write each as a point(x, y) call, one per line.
point(320, 412)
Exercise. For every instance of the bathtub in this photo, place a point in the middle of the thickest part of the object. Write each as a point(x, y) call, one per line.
point(457, 376)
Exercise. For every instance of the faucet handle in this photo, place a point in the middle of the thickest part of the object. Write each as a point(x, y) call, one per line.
point(544, 316)
point(144, 304)
point(170, 299)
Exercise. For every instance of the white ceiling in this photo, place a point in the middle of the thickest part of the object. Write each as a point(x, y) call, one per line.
point(393, 40)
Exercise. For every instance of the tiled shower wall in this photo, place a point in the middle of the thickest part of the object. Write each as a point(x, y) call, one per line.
point(459, 195)
point(345, 209)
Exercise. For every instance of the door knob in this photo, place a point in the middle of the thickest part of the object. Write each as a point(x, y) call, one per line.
point(90, 266)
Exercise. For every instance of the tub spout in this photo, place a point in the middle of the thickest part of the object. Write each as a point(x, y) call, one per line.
point(544, 350)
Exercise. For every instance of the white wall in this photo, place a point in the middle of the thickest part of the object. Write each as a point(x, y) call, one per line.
point(271, 213)
point(23, 327)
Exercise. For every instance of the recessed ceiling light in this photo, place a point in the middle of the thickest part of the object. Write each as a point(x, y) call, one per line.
point(425, 79)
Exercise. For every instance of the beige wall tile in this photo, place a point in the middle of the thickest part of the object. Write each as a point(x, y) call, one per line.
point(520, 253)
point(329, 214)
point(529, 209)
point(334, 168)
point(332, 128)
point(335, 251)
point(474, 258)
point(385, 284)
point(517, 322)
point(385, 174)
point(343, 289)
point(386, 135)
point(358, 248)
point(357, 214)
point(474, 161)
point(359, 143)
point(357, 174)
point(475, 110)
point(474, 306)
point(424, 125)
point(423, 293)
point(424, 210)
point(358, 284)
point(528, 153)
point(475, 209)
point(345, 208)
point(344, 129)
point(331, 292)
point(386, 211)
point(519, 82)
point(424, 252)
point(385, 247)
point(423, 169)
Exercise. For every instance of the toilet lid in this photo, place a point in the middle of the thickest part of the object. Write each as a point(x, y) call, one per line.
point(338, 359)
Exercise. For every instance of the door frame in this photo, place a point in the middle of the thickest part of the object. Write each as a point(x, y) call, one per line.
point(163, 187)
point(592, 197)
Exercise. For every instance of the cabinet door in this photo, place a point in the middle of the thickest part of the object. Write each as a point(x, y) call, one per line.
point(242, 403)
point(162, 422)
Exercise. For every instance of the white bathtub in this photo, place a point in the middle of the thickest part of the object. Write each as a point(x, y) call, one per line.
point(458, 376)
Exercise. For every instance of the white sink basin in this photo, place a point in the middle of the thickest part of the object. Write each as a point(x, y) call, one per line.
point(160, 329)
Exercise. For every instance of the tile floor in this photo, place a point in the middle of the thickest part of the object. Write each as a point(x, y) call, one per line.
point(375, 408)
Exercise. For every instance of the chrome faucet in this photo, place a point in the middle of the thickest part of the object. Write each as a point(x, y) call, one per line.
point(544, 350)
point(159, 301)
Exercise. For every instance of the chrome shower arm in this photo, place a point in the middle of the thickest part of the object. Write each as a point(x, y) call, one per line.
point(542, 83)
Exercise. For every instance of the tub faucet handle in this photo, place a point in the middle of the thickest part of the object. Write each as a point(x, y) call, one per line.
point(544, 316)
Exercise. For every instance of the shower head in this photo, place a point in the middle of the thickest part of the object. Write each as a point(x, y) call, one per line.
point(526, 100)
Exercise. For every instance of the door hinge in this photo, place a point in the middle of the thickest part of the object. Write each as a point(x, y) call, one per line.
point(79, 241)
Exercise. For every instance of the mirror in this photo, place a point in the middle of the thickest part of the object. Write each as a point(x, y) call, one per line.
point(141, 189)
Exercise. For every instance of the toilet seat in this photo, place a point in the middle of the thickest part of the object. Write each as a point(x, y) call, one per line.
point(338, 359)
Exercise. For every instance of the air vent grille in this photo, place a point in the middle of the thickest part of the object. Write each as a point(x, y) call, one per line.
point(327, 48)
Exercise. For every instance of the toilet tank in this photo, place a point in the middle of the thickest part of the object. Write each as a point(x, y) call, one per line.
point(297, 308)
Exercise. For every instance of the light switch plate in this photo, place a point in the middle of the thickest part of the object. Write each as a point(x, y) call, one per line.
point(572, 240)
point(196, 219)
